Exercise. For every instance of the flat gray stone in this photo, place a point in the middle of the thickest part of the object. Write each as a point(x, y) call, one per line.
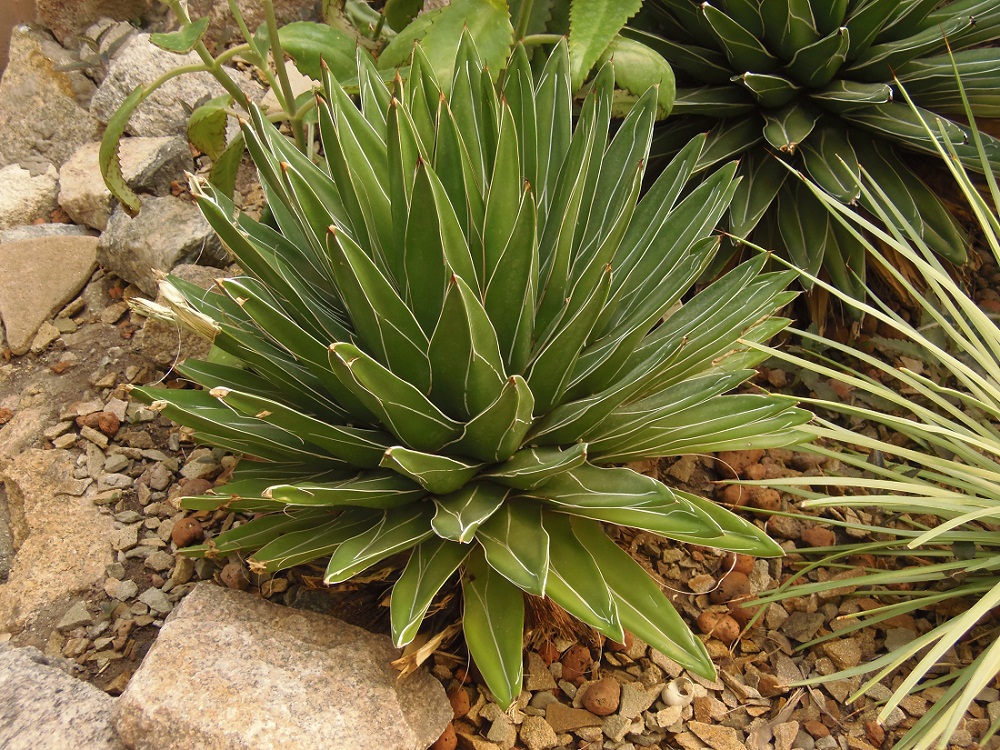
point(26, 195)
point(149, 165)
point(167, 232)
point(36, 231)
point(44, 708)
point(230, 670)
point(43, 110)
point(165, 112)
point(30, 292)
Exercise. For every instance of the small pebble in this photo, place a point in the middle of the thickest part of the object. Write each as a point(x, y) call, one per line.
point(187, 531)
point(234, 576)
point(603, 696)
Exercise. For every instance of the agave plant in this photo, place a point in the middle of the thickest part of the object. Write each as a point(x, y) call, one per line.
point(935, 494)
point(462, 320)
point(812, 81)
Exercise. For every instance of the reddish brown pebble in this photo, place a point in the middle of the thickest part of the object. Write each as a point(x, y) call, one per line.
point(6, 415)
point(732, 464)
point(875, 732)
point(576, 663)
point(448, 739)
point(187, 531)
point(756, 471)
point(234, 576)
point(548, 652)
point(462, 675)
point(719, 625)
point(602, 697)
point(107, 423)
point(735, 585)
point(198, 486)
point(763, 498)
point(816, 729)
point(818, 536)
point(460, 704)
point(615, 646)
point(733, 494)
point(742, 615)
point(738, 563)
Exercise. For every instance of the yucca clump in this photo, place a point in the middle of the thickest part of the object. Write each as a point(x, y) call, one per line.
point(813, 82)
point(461, 320)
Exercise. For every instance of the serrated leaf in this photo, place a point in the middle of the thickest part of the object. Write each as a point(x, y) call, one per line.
point(493, 622)
point(109, 159)
point(431, 564)
point(312, 44)
point(183, 40)
point(459, 515)
point(592, 26)
point(436, 473)
point(394, 531)
point(206, 128)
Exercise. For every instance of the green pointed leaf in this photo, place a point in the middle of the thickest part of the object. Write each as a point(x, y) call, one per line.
point(437, 474)
point(829, 15)
point(789, 126)
point(842, 96)
point(498, 431)
point(184, 40)
point(878, 62)
point(301, 547)
point(714, 101)
point(744, 50)
point(493, 621)
point(575, 582)
point(592, 26)
point(770, 90)
point(517, 546)
point(369, 489)
point(763, 175)
point(431, 564)
point(226, 167)
point(816, 64)
point(532, 467)
point(789, 25)
point(519, 94)
point(395, 531)
point(109, 159)
point(701, 63)
point(865, 21)
point(260, 531)
point(642, 608)
point(832, 163)
point(459, 515)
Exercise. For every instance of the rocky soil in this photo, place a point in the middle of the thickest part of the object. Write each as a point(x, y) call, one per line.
point(96, 602)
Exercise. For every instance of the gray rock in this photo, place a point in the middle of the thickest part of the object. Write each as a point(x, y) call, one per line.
point(6, 537)
point(230, 670)
point(30, 293)
point(43, 109)
point(26, 195)
point(286, 11)
point(167, 232)
point(156, 600)
point(36, 231)
point(60, 537)
point(537, 734)
point(44, 708)
point(149, 165)
point(165, 112)
point(76, 615)
point(68, 18)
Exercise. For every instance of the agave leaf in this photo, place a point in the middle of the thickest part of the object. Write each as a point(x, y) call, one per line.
point(431, 564)
point(462, 179)
point(908, 18)
point(829, 15)
point(768, 89)
point(502, 200)
point(642, 608)
point(374, 93)
point(532, 467)
point(260, 531)
point(789, 25)
point(493, 621)
point(519, 94)
point(816, 64)
point(842, 96)
point(509, 417)
point(437, 474)
point(804, 226)
point(931, 81)
point(575, 582)
point(358, 446)
point(593, 24)
point(715, 101)
point(394, 531)
point(553, 105)
point(516, 545)
point(747, 13)
point(864, 22)
point(320, 540)
point(763, 175)
point(744, 50)
point(879, 61)
point(729, 138)
point(368, 489)
point(786, 128)
point(832, 163)
point(400, 407)
point(703, 63)
point(459, 515)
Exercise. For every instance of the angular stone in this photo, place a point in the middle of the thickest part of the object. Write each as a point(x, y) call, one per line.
point(60, 536)
point(41, 706)
point(717, 737)
point(232, 670)
point(536, 733)
point(165, 111)
point(26, 195)
point(43, 109)
point(563, 718)
point(30, 293)
point(69, 18)
point(149, 165)
point(845, 653)
point(35, 231)
point(167, 232)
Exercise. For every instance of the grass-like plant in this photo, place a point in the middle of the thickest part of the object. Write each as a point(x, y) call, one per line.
point(940, 553)
point(813, 82)
point(462, 320)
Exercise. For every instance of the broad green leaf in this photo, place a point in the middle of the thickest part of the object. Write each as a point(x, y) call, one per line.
point(437, 474)
point(439, 32)
point(763, 175)
point(206, 128)
point(431, 564)
point(768, 89)
point(744, 50)
point(459, 515)
point(532, 467)
point(260, 531)
point(399, 13)
point(301, 547)
point(395, 531)
point(517, 545)
point(842, 96)
point(109, 159)
point(311, 45)
point(183, 40)
point(829, 15)
point(498, 431)
point(789, 25)
point(832, 163)
point(816, 64)
point(368, 489)
point(493, 622)
point(592, 26)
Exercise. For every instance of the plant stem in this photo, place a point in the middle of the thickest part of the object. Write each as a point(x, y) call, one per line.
point(523, 16)
point(533, 39)
point(278, 55)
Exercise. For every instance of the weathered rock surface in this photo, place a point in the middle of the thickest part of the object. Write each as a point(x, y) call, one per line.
point(26, 195)
point(286, 11)
point(165, 112)
point(43, 110)
point(167, 232)
point(68, 18)
point(164, 344)
point(60, 537)
point(44, 708)
point(30, 291)
point(229, 670)
point(34, 231)
point(149, 165)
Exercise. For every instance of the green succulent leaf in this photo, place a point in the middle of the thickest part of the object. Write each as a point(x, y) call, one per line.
point(206, 128)
point(393, 531)
point(460, 514)
point(744, 50)
point(370, 489)
point(786, 128)
point(516, 545)
point(769, 90)
point(816, 64)
point(831, 162)
point(184, 40)
point(311, 45)
point(437, 474)
point(431, 564)
point(319, 540)
point(532, 467)
point(399, 13)
point(789, 25)
point(260, 531)
point(109, 158)
point(498, 431)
